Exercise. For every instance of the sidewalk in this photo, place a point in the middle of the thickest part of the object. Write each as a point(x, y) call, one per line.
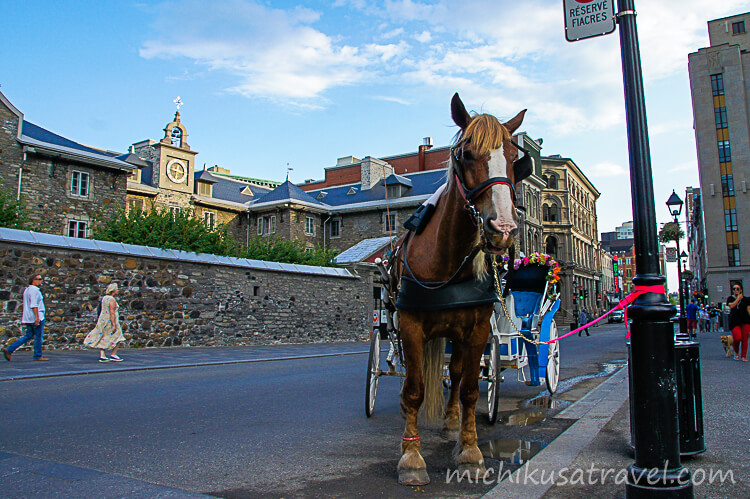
point(599, 440)
point(80, 362)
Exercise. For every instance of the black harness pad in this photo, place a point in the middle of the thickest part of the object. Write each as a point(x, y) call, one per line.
point(467, 293)
point(418, 220)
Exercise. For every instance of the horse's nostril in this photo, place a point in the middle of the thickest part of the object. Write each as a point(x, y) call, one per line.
point(508, 229)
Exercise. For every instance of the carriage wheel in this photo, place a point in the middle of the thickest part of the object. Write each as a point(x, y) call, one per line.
point(493, 375)
point(373, 373)
point(553, 361)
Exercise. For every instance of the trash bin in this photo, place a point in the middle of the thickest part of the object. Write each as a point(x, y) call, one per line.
point(689, 397)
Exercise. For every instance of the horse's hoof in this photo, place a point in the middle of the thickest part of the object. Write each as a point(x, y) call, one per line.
point(449, 434)
point(413, 477)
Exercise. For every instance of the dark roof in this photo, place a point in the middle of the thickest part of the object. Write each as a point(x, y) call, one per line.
point(394, 179)
point(423, 183)
point(43, 135)
point(617, 245)
point(133, 159)
point(230, 190)
point(288, 192)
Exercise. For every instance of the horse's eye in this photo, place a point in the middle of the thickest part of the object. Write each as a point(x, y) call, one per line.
point(468, 156)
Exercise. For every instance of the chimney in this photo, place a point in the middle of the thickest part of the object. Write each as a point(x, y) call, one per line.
point(374, 170)
point(426, 144)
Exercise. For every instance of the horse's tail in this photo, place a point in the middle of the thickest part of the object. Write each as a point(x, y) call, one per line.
point(433, 363)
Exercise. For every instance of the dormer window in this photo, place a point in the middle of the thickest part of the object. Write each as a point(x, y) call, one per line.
point(204, 189)
point(176, 136)
point(394, 191)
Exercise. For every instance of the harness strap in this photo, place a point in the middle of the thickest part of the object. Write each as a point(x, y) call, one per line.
point(479, 190)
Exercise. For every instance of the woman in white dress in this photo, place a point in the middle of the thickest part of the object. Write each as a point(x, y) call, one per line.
point(107, 334)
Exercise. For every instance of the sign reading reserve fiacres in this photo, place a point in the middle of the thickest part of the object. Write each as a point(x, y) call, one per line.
point(587, 18)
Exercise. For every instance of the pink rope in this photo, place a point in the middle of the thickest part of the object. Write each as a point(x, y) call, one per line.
point(622, 305)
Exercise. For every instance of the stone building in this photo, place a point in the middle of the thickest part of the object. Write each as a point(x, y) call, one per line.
point(721, 96)
point(67, 188)
point(167, 179)
point(696, 242)
point(570, 232)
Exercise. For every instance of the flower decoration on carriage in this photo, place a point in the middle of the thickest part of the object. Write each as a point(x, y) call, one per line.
point(541, 259)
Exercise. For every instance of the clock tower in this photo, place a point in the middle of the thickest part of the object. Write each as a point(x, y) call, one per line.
point(175, 159)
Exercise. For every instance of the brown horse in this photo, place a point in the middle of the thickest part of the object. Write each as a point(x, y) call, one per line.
point(475, 217)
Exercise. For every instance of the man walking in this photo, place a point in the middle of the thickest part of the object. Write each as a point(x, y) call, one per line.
point(32, 317)
point(583, 319)
point(691, 311)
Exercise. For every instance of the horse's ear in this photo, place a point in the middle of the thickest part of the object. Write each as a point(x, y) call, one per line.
point(458, 111)
point(513, 124)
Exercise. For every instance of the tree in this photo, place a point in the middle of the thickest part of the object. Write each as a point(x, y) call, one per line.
point(12, 212)
point(671, 231)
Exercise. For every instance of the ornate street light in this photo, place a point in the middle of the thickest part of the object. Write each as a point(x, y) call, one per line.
point(674, 203)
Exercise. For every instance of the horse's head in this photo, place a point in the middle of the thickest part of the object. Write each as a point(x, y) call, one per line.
point(484, 162)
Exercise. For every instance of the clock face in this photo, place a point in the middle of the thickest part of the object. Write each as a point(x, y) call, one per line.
point(176, 171)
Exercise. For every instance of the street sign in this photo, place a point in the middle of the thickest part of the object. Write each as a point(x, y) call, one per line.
point(588, 18)
point(671, 254)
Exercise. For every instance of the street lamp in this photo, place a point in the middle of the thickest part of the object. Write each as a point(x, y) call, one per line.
point(674, 203)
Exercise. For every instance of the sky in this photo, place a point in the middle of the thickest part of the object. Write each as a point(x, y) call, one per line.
point(268, 86)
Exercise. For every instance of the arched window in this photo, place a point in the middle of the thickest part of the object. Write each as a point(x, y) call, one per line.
point(551, 246)
point(550, 213)
point(552, 182)
point(176, 136)
point(536, 242)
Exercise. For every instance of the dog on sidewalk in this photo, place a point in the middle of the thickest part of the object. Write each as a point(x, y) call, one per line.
point(728, 343)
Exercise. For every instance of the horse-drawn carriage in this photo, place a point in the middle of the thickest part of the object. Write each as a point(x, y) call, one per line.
point(521, 324)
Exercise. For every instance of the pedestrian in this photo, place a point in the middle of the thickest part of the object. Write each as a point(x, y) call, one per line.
point(32, 317)
point(107, 334)
point(575, 319)
point(715, 314)
point(739, 321)
point(583, 318)
point(691, 312)
point(703, 315)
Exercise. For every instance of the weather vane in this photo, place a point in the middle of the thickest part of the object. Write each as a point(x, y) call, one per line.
point(178, 102)
point(288, 169)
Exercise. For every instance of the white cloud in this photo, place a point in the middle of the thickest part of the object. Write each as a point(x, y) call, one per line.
point(607, 169)
point(423, 37)
point(392, 99)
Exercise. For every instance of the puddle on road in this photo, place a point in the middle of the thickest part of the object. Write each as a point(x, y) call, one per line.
point(606, 368)
point(511, 450)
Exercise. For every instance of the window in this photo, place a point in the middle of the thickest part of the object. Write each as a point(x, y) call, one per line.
point(720, 113)
point(79, 184)
point(725, 153)
point(267, 225)
point(135, 204)
point(733, 255)
point(717, 84)
point(335, 228)
point(738, 28)
point(135, 175)
point(393, 191)
point(552, 183)
point(730, 220)
point(175, 211)
point(77, 228)
point(176, 137)
point(390, 222)
point(727, 186)
point(210, 218)
point(309, 226)
point(204, 189)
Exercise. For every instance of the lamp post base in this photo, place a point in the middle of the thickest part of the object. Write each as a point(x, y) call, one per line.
point(644, 483)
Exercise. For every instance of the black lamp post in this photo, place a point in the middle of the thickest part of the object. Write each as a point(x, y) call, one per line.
point(674, 203)
point(653, 381)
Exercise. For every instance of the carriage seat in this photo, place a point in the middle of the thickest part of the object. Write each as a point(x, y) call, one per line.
point(527, 305)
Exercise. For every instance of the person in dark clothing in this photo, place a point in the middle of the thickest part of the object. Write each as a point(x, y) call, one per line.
point(739, 321)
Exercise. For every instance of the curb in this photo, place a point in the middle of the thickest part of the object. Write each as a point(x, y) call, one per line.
point(176, 366)
point(593, 412)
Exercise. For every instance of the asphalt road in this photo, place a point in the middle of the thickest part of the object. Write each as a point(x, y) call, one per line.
point(272, 429)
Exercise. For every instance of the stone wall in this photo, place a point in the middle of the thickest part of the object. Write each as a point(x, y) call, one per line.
point(173, 302)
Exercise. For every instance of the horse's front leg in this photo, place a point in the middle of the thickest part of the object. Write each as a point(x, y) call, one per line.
point(412, 469)
point(468, 455)
point(452, 409)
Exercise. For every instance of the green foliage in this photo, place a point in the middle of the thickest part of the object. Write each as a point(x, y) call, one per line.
point(12, 212)
point(183, 231)
point(670, 232)
point(277, 250)
point(163, 229)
